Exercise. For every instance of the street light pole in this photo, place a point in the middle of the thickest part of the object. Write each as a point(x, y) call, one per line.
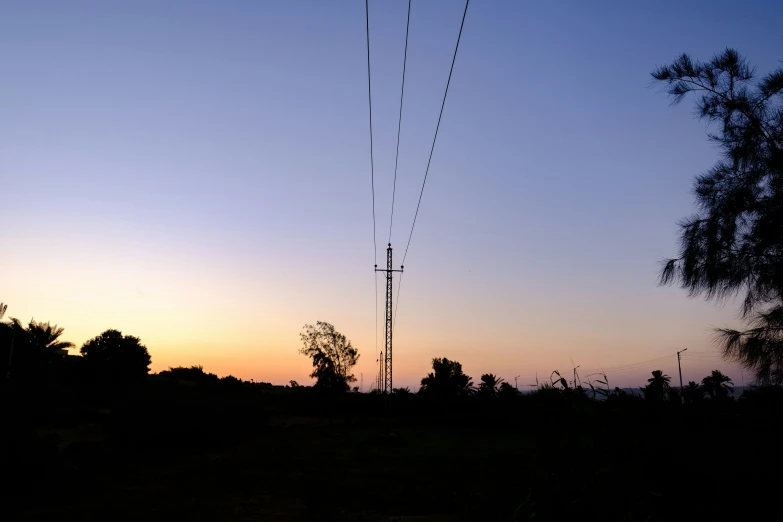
point(679, 366)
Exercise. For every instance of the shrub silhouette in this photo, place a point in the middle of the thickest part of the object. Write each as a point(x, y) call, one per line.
point(191, 374)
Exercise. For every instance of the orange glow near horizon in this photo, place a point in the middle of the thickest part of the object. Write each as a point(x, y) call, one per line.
point(249, 327)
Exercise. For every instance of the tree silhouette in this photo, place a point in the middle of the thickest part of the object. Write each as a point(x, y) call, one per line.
point(489, 385)
point(446, 380)
point(35, 347)
point(656, 389)
point(692, 392)
point(3, 308)
point(673, 395)
point(734, 244)
point(717, 385)
point(42, 338)
point(231, 381)
point(332, 354)
point(760, 347)
point(116, 359)
point(46, 338)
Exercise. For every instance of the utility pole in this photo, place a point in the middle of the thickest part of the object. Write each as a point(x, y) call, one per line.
point(387, 359)
point(516, 384)
point(679, 365)
point(379, 380)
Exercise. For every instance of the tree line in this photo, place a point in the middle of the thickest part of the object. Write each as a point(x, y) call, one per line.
point(113, 361)
point(35, 351)
point(333, 357)
point(34, 355)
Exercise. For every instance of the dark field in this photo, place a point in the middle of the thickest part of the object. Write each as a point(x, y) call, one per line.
point(185, 452)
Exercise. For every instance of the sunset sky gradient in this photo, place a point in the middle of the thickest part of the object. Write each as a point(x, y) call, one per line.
point(198, 174)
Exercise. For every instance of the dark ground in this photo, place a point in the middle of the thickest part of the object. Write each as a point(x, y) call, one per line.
point(197, 455)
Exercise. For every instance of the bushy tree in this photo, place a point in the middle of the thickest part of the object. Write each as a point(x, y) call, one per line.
point(115, 358)
point(332, 354)
point(734, 243)
point(446, 380)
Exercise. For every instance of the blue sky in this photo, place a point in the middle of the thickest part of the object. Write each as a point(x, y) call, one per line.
point(197, 173)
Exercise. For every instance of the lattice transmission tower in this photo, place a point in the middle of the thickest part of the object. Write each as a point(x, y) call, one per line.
point(387, 359)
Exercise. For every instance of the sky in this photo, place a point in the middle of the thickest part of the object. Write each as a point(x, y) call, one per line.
point(197, 174)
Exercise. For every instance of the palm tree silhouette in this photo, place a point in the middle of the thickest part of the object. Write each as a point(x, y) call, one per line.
point(43, 338)
point(657, 386)
point(489, 385)
point(46, 337)
point(717, 385)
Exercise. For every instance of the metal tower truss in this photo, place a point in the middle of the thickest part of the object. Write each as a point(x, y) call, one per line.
point(387, 366)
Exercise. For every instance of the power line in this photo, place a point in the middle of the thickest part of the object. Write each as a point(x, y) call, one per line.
point(645, 366)
point(372, 161)
point(631, 366)
point(399, 122)
point(437, 127)
point(397, 304)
